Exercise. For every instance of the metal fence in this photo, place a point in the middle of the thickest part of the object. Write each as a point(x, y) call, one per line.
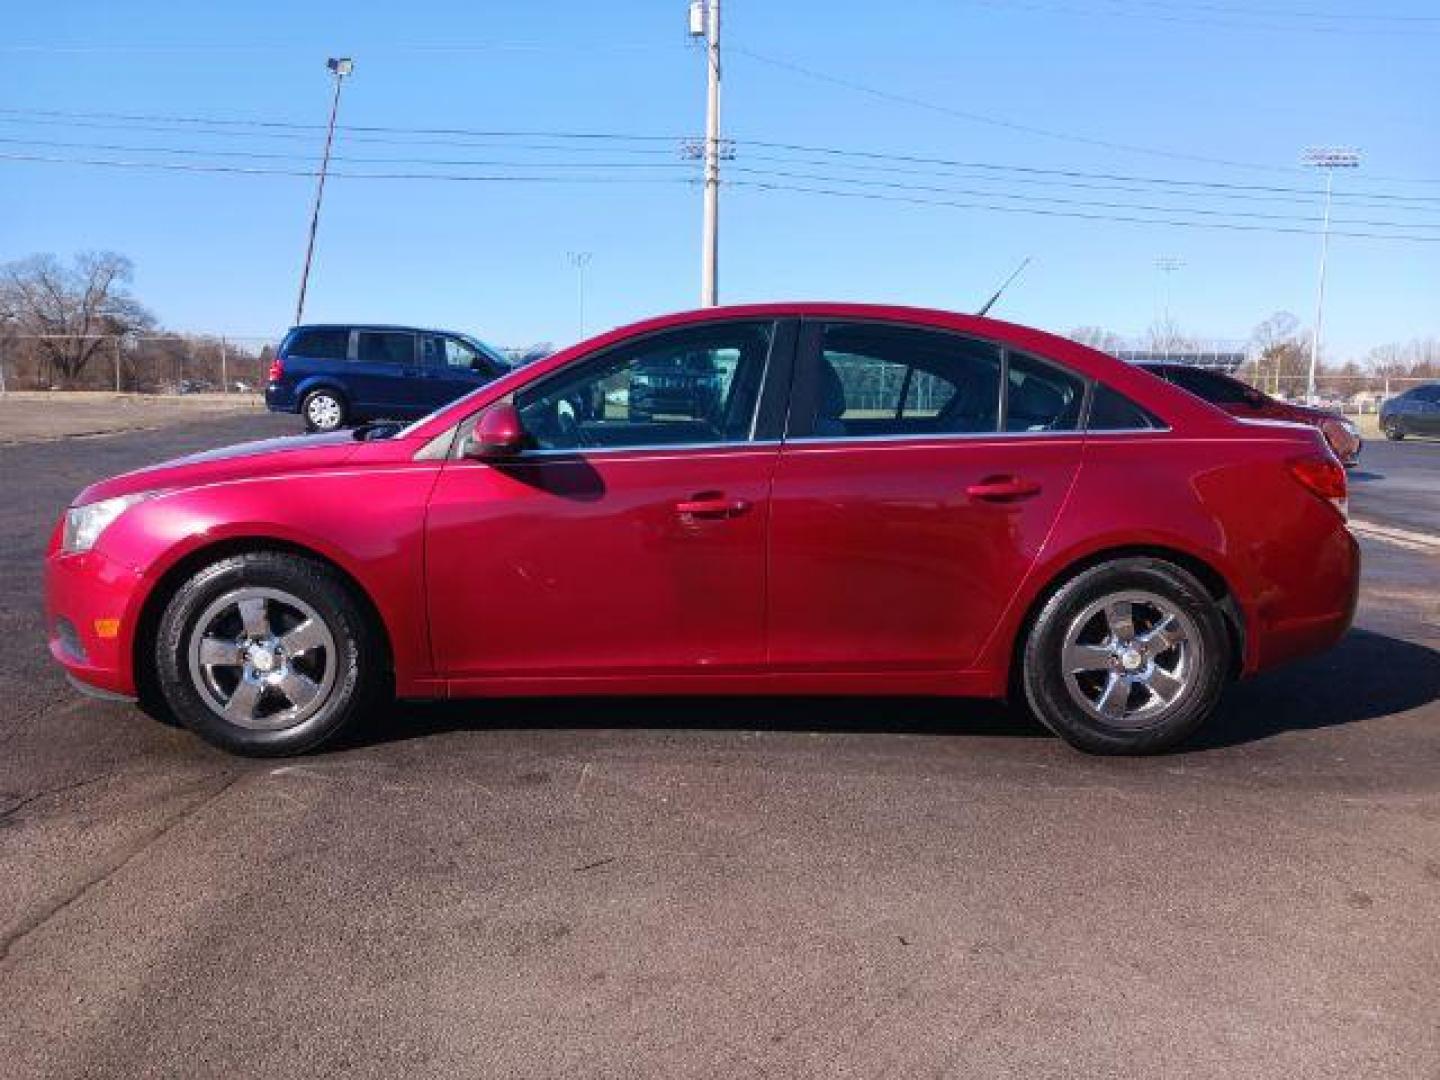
point(134, 363)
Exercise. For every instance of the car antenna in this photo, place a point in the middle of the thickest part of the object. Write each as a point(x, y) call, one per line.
point(998, 292)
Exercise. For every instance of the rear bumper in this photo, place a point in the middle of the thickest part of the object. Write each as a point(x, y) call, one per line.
point(91, 603)
point(1275, 636)
point(280, 398)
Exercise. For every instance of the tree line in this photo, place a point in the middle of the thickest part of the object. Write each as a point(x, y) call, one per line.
point(79, 326)
point(1278, 356)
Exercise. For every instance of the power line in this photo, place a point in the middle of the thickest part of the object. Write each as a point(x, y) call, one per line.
point(1059, 200)
point(763, 184)
point(1234, 19)
point(272, 156)
point(573, 141)
point(1010, 125)
point(880, 197)
point(1308, 197)
point(243, 170)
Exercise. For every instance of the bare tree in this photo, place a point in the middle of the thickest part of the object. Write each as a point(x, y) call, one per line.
point(1097, 337)
point(1281, 357)
point(70, 310)
point(1165, 337)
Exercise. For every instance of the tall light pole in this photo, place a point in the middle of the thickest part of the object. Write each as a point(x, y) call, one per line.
point(1167, 265)
point(705, 22)
point(340, 66)
point(580, 260)
point(1327, 158)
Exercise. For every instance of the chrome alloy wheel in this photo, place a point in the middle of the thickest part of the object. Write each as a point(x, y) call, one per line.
point(323, 412)
point(1130, 657)
point(262, 659)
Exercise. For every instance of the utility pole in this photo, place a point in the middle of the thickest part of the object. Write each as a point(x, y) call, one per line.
point(340, 66)
point(1329, 159)
point(580, 260)
point(705, 22)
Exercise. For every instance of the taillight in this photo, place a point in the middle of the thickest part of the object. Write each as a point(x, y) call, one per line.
point(277, 370)
point(1325, 477)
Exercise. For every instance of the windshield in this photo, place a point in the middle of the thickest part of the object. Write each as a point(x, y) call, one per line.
point(489, 351)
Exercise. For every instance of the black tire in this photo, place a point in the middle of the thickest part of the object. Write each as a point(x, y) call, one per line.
point(348, 671)
point(1203, 657)
point(324, 410)
point(1394, 432)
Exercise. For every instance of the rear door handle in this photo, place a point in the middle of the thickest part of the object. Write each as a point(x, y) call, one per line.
point(1003, 489)
point(711, 506)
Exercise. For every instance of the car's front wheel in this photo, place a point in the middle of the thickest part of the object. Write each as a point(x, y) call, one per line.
point(323, 411)
point(267, 653)
point(1128, 657)
point(1393, 431)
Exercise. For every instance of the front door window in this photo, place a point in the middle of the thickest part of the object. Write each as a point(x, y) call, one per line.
point(690, 387)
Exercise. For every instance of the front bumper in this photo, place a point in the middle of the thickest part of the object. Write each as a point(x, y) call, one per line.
point(91, 605)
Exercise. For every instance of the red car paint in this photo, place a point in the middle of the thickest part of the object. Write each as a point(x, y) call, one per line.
point(833, 565)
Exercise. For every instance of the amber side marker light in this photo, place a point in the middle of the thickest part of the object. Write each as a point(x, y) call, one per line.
point(107, 628)
point(1325, 477)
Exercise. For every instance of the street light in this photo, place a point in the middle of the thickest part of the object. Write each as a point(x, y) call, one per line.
point(1328, 158)
point(580, 260)
point(339, 66)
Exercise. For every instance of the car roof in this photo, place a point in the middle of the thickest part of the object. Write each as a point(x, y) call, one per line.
point(396, 327)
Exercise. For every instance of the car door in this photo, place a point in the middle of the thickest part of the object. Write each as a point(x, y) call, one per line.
point(383, 378)
point(612, 546)
point(450, 368)
point(924, 472)
point(1423, 416)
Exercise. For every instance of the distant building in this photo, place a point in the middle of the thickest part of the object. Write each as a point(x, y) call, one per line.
point(1226, 361)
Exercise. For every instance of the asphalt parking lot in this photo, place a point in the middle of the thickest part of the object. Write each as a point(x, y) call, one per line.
point(718, 888)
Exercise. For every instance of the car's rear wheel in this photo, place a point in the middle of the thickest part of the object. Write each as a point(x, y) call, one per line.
point(323, 411)
point(1393, 431)
point(267, 653)
point(1128, 657)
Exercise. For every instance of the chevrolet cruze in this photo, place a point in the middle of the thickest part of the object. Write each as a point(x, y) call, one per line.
point(874, 500)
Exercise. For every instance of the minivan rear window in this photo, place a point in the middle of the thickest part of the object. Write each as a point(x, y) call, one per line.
point(319, 344)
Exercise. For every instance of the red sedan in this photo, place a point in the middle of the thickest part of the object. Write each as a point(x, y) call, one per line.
point(847, 499)
point(1242, 400)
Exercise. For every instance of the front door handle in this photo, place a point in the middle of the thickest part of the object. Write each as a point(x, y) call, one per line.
point(1003, 489)
point(711, 505)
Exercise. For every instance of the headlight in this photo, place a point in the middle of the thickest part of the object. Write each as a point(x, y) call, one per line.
point(84, 524)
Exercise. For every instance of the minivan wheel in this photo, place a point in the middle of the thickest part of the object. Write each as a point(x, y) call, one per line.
point(1129, 657)
point(323, 411)
point(267, 654)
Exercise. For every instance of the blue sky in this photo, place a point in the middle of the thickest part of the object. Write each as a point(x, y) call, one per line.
point(1216, 79)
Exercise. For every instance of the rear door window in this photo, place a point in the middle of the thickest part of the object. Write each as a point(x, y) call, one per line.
point(893, 380)
point(319, 344)
point(1041, 397)
point(385, 347)
point(1111, 410)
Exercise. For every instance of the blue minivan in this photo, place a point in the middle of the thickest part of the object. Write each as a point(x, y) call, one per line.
point(334, 375)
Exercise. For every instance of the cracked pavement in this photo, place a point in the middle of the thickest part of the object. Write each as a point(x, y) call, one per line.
point(870, 887)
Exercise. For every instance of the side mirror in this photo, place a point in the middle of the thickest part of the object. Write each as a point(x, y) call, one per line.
point(1254, 398)
point(498, 434)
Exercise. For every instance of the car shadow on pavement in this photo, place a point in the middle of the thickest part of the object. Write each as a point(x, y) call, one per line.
point(1366, 676)
point(852, 715)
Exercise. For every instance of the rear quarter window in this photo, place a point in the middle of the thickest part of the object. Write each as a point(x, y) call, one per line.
point(1111, 410)
point(319, 344)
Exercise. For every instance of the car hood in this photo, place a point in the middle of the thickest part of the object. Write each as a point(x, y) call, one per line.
point(267, 457)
